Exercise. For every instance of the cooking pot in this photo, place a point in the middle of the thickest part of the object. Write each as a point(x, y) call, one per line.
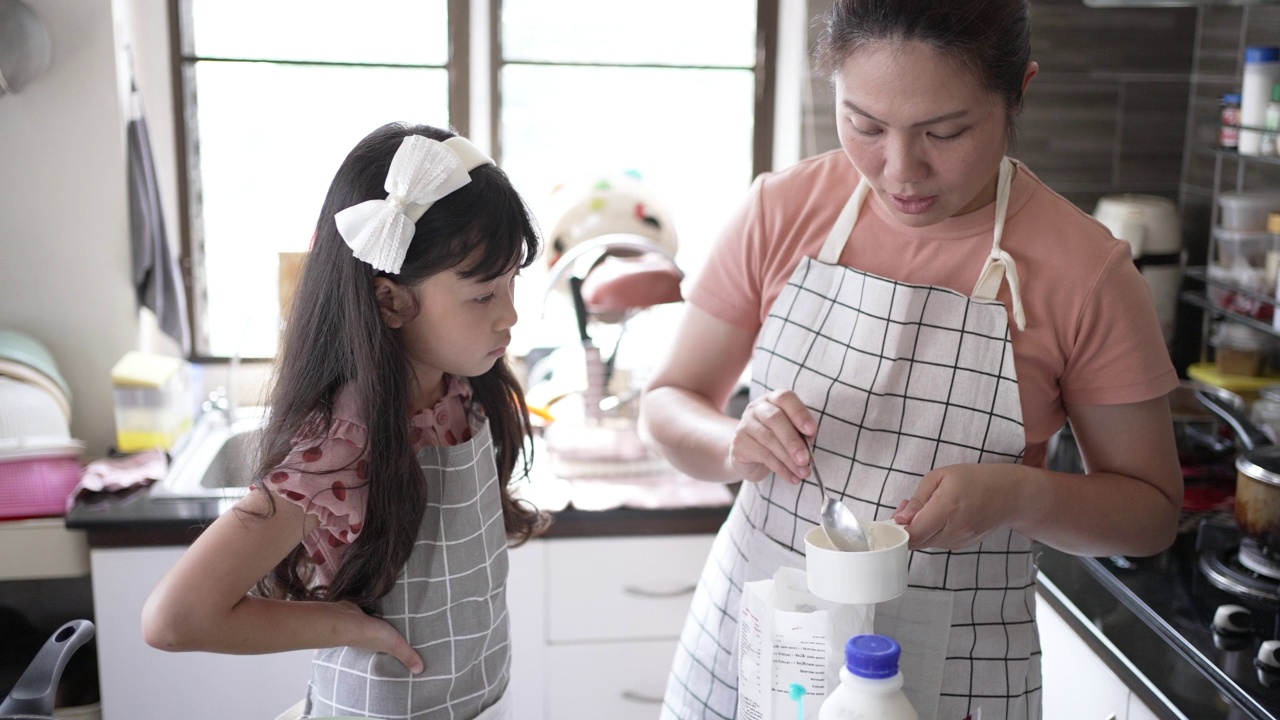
point(1257, 503)
point(33, 696)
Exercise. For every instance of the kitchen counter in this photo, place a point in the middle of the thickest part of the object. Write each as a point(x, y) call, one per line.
point(135, 519)
point(1129, 610)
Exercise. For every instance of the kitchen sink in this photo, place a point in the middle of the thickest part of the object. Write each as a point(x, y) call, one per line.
point(216, 460)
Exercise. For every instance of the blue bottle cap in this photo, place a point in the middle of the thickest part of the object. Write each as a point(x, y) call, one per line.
point(1261, 54)
point(872, 656)
point(1231, 98)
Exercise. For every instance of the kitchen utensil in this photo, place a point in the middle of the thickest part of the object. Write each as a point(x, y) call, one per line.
point(1257, 503)
point(841, 526)
point(33, 696)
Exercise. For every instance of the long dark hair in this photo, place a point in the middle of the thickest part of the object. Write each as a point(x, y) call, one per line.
point(336, 337)
point(992, 38)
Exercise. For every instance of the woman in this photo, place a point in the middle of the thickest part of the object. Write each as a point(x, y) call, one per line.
point(926, 314)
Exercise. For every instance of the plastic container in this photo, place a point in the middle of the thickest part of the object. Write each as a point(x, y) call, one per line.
point(1261, 73)
point(1247, 211)
point(153, 402)
point(1246, 387)
point(870, 683)
point(1242, 247)
point(1239, 349)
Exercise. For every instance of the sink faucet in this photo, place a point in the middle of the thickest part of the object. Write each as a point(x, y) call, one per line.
point(219, 401)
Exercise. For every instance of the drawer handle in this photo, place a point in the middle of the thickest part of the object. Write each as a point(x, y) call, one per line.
point(647, 593)
point(635, 697)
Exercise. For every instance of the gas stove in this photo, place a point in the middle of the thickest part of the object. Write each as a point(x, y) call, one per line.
point(1216, 597)
point(1200, 628)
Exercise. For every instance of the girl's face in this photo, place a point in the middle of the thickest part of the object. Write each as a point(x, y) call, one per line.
point(462, 326)
point(920, 129)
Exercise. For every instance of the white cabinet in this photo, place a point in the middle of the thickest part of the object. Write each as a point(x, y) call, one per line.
point(1078, 685)
point(138, 681)
point(612, 611)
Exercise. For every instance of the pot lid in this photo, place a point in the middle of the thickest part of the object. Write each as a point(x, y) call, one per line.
point(1261, 464)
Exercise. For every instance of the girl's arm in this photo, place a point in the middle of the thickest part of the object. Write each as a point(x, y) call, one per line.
point(202, 603)
point(682, 417)
point(1127, 504)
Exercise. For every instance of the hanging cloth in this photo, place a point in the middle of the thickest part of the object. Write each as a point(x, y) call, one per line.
point(156, 276)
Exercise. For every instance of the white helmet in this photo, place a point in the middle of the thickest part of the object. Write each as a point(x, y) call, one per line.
point(619, 205)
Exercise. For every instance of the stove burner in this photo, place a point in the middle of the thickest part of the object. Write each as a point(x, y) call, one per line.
point(1228, 570)
point(1257, 559)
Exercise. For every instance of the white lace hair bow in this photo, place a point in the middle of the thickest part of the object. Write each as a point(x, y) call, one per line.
point(422, 171)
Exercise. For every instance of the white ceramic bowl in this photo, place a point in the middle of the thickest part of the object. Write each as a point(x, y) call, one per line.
point(858, 578)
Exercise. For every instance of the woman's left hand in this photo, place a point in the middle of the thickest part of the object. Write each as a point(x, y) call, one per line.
point(959, 505)
point(1127, 503)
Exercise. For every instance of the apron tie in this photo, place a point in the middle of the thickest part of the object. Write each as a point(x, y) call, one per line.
point(1000, 263)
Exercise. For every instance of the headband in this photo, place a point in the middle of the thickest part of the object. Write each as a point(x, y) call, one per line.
point(422, 171)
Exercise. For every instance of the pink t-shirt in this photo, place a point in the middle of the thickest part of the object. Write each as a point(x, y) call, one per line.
point(326, 474)
point(1092, 336)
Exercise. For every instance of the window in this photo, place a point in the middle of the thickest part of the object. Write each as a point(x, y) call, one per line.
point(580, 89)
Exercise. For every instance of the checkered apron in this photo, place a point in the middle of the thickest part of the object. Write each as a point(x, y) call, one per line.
point(449, 603)
point(902, 379)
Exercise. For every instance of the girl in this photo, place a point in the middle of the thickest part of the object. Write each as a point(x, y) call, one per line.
point(929, 313)
point(378, 525)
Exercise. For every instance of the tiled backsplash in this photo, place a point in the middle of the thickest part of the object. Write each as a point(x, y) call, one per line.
point(1127, 100)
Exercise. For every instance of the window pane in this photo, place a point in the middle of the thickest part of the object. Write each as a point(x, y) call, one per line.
point(719, 33)
point(687, 132)
point(271, 138)
point(411, 32)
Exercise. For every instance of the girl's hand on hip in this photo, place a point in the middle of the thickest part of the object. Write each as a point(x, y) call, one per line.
point(379, 636)
point(959, 505)
point(770, 438)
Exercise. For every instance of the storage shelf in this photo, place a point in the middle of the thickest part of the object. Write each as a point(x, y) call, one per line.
point(1225, 153)
point(1199, 298)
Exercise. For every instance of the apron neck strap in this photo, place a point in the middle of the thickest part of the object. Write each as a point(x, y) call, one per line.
point(1000, 263)
point(839, 234)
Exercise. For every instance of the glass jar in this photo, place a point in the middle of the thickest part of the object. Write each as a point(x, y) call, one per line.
point(1265, 412)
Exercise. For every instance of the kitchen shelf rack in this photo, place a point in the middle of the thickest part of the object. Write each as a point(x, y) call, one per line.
point(1200, 297)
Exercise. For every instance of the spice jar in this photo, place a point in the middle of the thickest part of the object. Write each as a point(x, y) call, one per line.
point(1229, 134)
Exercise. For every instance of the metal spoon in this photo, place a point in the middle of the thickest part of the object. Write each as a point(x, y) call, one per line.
point(838, 522)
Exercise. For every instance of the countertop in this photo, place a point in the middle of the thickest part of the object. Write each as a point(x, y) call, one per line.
point(135, 519)
point(1093, 594)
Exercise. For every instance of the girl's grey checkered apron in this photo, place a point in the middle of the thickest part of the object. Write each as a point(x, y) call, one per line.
point(902, 379)
point(450, 603)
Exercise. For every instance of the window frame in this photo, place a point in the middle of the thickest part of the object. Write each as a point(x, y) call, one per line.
point(475, 96)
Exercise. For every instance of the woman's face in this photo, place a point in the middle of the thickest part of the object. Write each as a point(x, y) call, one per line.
point(921, 129)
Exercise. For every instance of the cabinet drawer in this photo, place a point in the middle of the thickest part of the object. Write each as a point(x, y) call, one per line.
point(622, 588)
point(619, 681)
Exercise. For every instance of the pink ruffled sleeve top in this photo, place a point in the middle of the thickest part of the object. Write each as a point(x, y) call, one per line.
point(326, 474)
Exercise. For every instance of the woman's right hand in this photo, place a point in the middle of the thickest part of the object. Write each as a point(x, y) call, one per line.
point(378, 635)
point(771, 438)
